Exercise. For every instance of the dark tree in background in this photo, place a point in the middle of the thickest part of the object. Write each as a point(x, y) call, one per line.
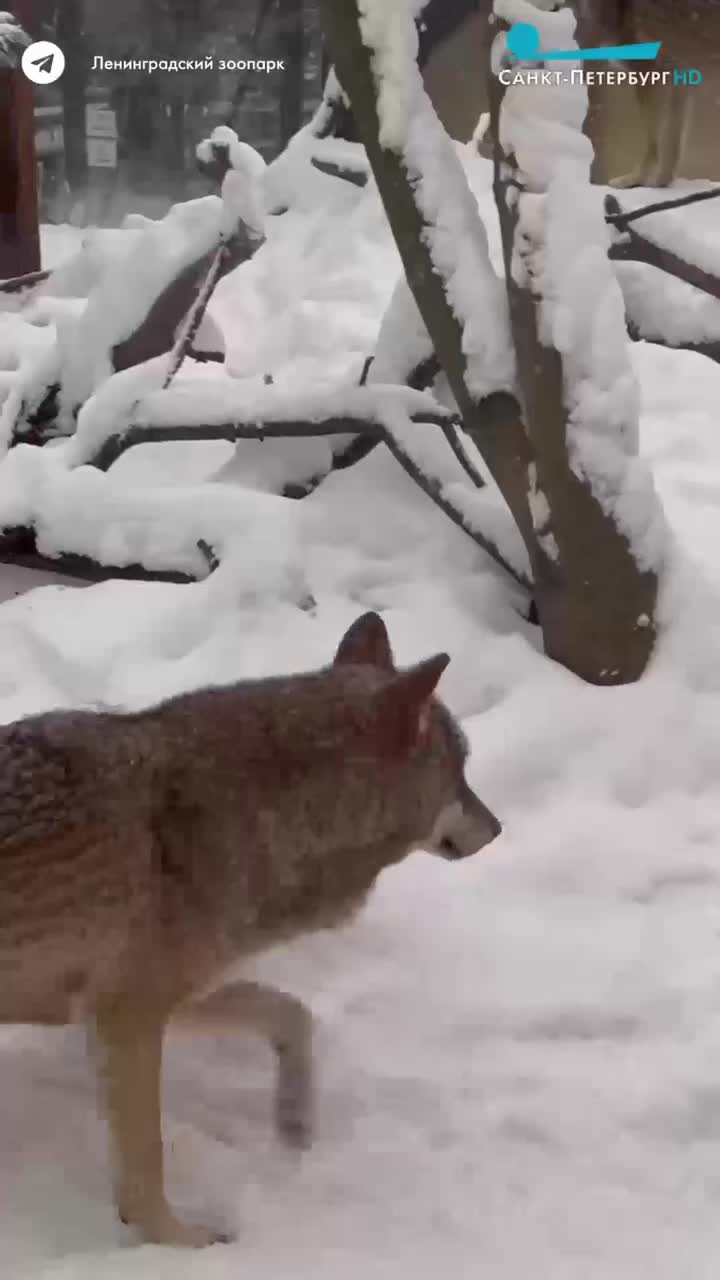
point(291, 50)
point(70, 26)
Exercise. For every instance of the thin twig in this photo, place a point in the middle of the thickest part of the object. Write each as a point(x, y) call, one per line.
point(709, 349)
point(636, 248)
point(16, 284)
point(452, 435)
point(661, 206)
point(434, 490)
point(357, 449)
point(358, 177)
point(208, 555)
point(230, 246)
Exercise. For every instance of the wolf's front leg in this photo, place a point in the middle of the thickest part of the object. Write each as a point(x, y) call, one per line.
point(129, 1036)
point(287, 1023)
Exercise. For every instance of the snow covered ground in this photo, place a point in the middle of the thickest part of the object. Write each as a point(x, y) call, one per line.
point(519, 1057)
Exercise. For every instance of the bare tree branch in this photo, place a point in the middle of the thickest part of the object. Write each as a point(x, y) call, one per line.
point(636, 248)
point(358, 177)
point(434, 490)
point(17, 284)
point(660, 206)
point(709, 349)
point(18, 546)
point(238, 247)
point(208, 555)
point(116, 445)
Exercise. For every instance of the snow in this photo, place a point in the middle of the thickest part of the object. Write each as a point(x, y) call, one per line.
point(242, 188)
point(243, 158)
point(660, 305)
point(518, 1057)
point(456, 240)
point(123, 274)
point(560, 251)
point(12, 40)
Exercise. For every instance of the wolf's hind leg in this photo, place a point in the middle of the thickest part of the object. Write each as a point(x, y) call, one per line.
point(287, 1024)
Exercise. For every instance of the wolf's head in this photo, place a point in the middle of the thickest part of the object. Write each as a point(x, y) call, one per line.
point(423, 744)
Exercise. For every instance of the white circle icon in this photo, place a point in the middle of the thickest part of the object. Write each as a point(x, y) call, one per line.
point(43, 62)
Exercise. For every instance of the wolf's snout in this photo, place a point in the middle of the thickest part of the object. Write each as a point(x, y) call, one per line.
point(465, 828)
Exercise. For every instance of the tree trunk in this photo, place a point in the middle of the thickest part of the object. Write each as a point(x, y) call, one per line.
point(19, 233)
point(71, 38)
point(595, 607)
point(292, 52)
point(494, 425)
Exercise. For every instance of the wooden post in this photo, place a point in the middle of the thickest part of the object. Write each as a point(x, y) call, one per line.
point(19, 231)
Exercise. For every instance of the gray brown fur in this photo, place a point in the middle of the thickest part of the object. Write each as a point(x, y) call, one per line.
point(689, 32)
point(143, 855)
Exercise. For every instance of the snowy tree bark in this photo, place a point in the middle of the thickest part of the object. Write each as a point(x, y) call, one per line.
point(593, 502)
point(595, 598)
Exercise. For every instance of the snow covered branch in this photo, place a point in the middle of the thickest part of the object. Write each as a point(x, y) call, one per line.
point(232, 249)
point(279, 429)
point(358, 177)
point(18, 284)
point(18, 546)
point(659, 206)
point(711, 350)
point(13, 40)
point(634, 247)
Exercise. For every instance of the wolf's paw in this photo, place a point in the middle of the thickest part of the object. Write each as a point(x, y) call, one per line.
point(628, 180)
point(165, 1229)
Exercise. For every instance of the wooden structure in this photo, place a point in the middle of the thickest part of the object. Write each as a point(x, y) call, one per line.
point(19, 232)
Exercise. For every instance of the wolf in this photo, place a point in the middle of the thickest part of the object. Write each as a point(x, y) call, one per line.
point(689, 31)
point(144, 855)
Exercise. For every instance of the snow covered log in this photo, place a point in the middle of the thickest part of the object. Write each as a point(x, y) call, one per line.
point(599, 529)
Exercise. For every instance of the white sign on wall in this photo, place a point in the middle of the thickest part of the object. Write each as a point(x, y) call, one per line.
point(102, 153)
point(100, 122)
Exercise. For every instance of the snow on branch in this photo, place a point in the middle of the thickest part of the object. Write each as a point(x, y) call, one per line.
point(559, 258)
point(19, 284)
point(631, 246)
point(665, 310)
point(453, 230)
point(13, 40)
point(198, 407)
point(399, 417)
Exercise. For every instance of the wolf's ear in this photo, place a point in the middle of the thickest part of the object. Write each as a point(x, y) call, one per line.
point(366, 644)
point(405, 706)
